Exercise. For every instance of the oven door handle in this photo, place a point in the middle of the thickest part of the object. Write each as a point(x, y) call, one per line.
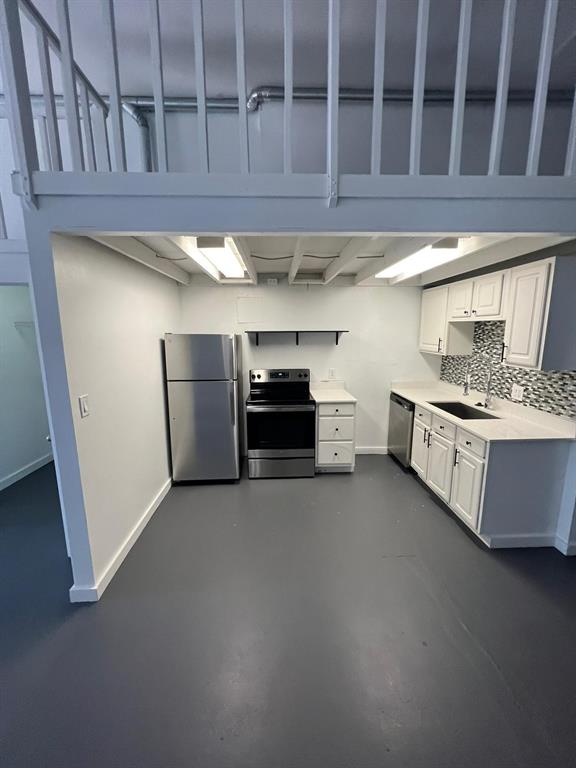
point(280, 408)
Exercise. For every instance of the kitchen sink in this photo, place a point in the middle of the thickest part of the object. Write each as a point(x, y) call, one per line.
point(463, 411)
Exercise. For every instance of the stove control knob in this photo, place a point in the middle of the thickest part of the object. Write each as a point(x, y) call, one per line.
point(253, 376)
point(259, 377)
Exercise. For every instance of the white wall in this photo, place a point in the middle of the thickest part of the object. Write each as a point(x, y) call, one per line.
point(23, 419)
point(381, 346)
point(114, 313)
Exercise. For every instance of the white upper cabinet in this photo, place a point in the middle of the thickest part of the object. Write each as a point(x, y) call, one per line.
point(536, 301)
point(460, 300)
point(488, 295)
point(526, 310)
point(480, 298)
point(433, 320)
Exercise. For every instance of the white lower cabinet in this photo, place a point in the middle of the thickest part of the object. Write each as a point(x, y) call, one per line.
point(467, 486)
point(419, 459)
point(440, 463)
point(450, 461)
point(335, 437)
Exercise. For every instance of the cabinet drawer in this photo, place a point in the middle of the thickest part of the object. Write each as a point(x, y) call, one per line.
point(336, 428)
point(471, 443)
point(336, 409)
point(424, 416)
point(335, 453)
point(445, 428)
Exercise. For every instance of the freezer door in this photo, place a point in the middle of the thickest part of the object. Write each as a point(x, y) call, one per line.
point(204, 430)
point(200, 357)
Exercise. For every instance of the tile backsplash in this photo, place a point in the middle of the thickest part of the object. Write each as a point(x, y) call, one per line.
point(550, 391)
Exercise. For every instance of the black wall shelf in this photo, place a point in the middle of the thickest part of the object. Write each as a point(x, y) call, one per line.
point(257, 334)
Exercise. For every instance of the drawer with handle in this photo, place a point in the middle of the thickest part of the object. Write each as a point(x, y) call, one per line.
point(423, 415)
point(336, 409)
point(444, 428)
point(335, 453)
point(471, 442)
point(336, 428)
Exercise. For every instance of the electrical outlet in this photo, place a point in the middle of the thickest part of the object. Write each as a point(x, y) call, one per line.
point(331, 373)
point(517, 392)
point(84, 406)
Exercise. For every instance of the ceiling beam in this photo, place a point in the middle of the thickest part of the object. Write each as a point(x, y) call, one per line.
point(184, 244)
point(490, 251)
point(244, 251)
point(399, 249)
point(138, 251)
point(296, 259)
point(347, 255)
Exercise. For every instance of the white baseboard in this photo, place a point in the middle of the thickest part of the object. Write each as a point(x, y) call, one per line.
point(566, 547)
point(371, 450)
point(13, 477)
point(514, 540)
point(92, 592)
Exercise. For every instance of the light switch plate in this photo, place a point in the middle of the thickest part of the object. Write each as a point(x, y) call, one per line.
point(517, 392)
point(84, 406)
point(331, 373)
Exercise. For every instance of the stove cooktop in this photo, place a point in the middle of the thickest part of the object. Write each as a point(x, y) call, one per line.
point(265, 399)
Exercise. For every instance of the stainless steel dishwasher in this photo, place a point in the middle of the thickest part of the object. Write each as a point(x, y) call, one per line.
point(400, 428)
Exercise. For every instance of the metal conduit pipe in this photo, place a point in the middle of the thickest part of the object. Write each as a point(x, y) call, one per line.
point(137, 115)
point(264, 94)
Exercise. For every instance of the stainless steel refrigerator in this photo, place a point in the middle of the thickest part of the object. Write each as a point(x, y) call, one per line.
point(202, 384)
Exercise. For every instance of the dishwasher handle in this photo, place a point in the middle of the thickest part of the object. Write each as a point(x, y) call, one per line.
point(406, 404)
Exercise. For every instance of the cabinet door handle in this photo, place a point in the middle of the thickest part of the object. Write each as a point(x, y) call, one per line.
point(473, 311)
point(468, 442)
point(429, 437)
point(465, 311)
point(503, 355)
point(440, 427)
point(455, 456)
point(439, 344)
point(425, 434)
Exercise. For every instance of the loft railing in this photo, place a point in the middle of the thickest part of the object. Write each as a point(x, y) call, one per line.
point(95, 133)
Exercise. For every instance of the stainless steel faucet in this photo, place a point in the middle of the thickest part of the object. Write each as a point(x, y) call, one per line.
point(488, 398)
point(466, 390)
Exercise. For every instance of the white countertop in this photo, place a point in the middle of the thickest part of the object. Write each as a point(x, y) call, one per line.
point(331, 394)
point(511, 423)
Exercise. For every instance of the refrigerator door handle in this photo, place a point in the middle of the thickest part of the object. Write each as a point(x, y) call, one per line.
point(234, 371)
point(233, 404)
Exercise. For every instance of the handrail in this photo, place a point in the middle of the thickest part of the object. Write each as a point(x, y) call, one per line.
point(97, 144)
point(3, 230)
point(39, 21)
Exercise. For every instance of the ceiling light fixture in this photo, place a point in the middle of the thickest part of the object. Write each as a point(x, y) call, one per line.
point(222, 253)
point(426, 258)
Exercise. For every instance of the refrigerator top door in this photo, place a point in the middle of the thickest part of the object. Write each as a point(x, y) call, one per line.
point(200, 357)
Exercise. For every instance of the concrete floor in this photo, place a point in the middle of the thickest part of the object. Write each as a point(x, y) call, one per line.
point(335, 622)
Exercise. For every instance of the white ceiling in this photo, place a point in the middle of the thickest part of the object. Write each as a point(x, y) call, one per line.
point(264, 44)
point(275, 254)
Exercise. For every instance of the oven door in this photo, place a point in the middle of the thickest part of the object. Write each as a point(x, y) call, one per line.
point(281, 431)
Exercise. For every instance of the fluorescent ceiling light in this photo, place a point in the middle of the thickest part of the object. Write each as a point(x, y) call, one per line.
point(421, 261)
point(222, 253)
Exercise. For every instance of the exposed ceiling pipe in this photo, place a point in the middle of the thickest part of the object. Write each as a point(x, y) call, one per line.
point(135, 105)
point(264, 94)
